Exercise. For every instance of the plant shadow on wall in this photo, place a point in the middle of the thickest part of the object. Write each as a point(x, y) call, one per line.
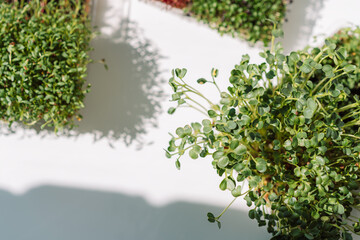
point(124, 100)
point(301, 19)
point(58, 213)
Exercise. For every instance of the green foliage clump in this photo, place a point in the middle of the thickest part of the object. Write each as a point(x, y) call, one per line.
point(289, 129)
point(350, 39)
point(43, 56)
point(248, 19)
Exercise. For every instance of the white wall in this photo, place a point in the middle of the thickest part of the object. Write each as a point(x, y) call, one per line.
point(109, 179)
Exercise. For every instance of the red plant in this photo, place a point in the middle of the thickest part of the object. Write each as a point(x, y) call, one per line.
point(176, 3)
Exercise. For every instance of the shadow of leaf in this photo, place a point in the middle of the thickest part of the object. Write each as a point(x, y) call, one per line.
point(125, 100)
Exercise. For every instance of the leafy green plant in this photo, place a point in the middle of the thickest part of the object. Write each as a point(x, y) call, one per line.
point(288, 128)
point(252, 20)
point(349, 38)
point(248, 19)
point(43, 56)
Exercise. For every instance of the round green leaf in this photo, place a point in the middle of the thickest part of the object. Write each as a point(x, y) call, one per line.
point(171, 110)
point(201, 81)
point(223, 162)
point(236, 192)
point(193, 154)
point(261, 165)
point(240, 150)
point(320, 160)
point(180, 132)
point(287, 145)
point(231, 125)
point(212, 113)
point(305, 68)
point(223, 185)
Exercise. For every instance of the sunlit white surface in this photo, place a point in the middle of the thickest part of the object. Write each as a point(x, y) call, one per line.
point(118, 147)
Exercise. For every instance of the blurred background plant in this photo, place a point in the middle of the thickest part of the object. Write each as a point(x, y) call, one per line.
point(176, 3)
point(349, 39)
point(251, 20)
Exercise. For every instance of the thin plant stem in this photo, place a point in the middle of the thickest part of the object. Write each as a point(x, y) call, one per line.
point(218, 217)
point(332, 79)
